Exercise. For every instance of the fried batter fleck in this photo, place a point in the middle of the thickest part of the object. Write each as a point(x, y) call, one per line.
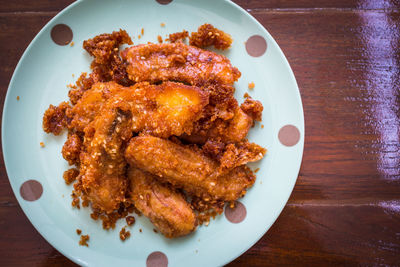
point(70, 175)
point(178, 36)
point(55, 119)
point(208, 35)
point(84, 239)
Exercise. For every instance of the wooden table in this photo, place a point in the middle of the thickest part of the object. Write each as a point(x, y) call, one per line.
point(345, 208)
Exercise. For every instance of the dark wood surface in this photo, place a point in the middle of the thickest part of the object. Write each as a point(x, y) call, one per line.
point(345, 208)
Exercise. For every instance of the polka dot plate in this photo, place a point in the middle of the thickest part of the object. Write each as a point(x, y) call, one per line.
point(35, 165)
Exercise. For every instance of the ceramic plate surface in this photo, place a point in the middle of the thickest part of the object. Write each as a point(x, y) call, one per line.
point(35, 172)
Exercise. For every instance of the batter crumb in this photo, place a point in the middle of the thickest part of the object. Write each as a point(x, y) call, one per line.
point(162, 24)
point(159, 38)
point(208, 35)
point(123, 234)
point(72, 44)
point(70, 175)
point(78, 231)
point(41, 144)
point(17, 97)
point(140, 230)
point(142, 31)
point(256, 170)
point(251, 85)
point(178, 36)
point(130, 220)
point(75, 201)
point(262, 126)
point(84, 240)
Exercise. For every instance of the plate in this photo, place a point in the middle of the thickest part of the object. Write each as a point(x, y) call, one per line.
point(35, 172)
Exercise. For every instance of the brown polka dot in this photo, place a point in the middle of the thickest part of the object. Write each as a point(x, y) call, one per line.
point(237, 214)
point(157, 259)
point(164, 2)
point(289, 135)
point(256, 46)
point(31, 190)
point(61, 34)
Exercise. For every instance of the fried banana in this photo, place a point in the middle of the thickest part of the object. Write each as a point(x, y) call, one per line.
point(166, 208)
point(102, 172)
point(187, 169)
point(162, 110)
point(177, 62)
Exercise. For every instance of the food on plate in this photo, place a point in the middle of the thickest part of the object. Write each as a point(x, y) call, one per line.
point(155, 129)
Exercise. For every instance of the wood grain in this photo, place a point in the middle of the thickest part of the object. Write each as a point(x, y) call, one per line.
point(345, 208)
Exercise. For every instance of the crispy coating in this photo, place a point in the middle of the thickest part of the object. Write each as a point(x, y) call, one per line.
point(240, 154)
point(72, 149)
point(178, 36)
point(166, 208)
point(102, 172)
point(101, 47)
point(163, 110)
point(90, 104)
point(55, 119)
point(83, 84)
point(233, 154)
point(253, 108)
point(107, 64)
point(227, 131)
point(208, 35)
point(70, 175)
point(188, 169)
point(178, 62)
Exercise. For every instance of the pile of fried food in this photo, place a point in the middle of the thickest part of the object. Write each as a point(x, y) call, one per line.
point(155, 129)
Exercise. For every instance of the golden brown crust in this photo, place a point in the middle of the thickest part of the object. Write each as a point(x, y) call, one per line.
point(234, 129)
point(208, 35)
point(55, 119)
point(253, 108)
point(163, 110)
point(178, 36)
point(70, 175)
point(188, 169)
point(164, 206)
point(178, 62)
point(107, 65)
point(240, 154)
point(72, 149)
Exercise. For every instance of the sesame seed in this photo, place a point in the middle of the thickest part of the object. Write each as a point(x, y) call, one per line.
point(251, 85)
